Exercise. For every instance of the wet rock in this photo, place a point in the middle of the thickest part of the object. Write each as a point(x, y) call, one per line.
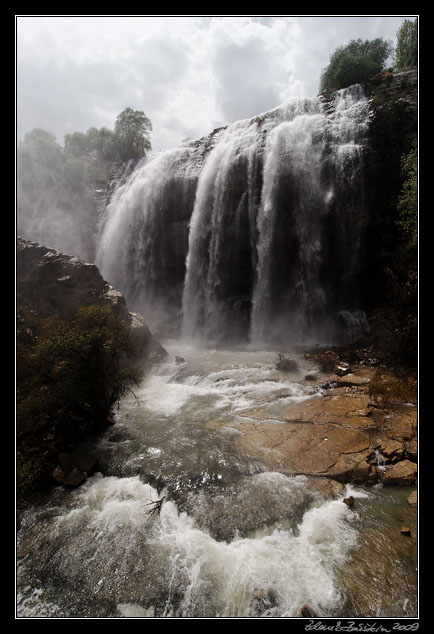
point(54, 283)
point(285, 364)
point(338, 435)
point(66, 462)
point(326, 487)
point(403, 473)
point(264, 600)
point(179, 359)
point(87, 463)
point(74, 479)
point(349, 501)
point(153, 350)
point(411, 450)
point(412, 498)
point(72, 470)
point(342, 369)
point(354, 467)
point(310, 377)
point(392, 450)
point(59, 475)
point(307, 612)
point(353, 379)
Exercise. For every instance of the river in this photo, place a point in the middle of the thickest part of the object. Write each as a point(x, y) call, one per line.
point(227, 538)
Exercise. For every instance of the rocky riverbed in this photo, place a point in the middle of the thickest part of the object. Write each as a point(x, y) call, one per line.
point(350, 430)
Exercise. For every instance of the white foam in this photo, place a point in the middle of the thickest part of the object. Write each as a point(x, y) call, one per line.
point(291, 568)
point(219, 383)
point(133, 610)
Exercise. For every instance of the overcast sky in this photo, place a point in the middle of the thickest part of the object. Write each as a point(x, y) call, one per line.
point(189, 74)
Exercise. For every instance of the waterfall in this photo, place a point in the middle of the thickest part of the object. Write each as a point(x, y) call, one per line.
point(252, 233)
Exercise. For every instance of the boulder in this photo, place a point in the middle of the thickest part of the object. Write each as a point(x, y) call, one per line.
point(392, 450)
point(307, 612)
point(153, 350)
point(264, 600)
point(74, 479)
point(285, 364)
point(66, 461)
point(349, 501)
point(343, 369)
point(73, 469)
point(87, 463)
point(403, 473)
point(50, 283)
point(411, 450)
point(412, 498)
point(59, 475)
point(53, 283)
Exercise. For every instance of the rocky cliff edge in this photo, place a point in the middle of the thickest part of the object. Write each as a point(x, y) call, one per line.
point(49, 282)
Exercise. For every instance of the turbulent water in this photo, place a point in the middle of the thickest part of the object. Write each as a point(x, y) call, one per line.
point(251, 236)
point(252, 233)
point(231, 539)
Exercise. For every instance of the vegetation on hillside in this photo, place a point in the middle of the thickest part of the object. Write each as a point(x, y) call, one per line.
point(70, 375)
point(408, 198)
point(361, 60)
point(60, 189)
point(355, 63)
point(406, 52)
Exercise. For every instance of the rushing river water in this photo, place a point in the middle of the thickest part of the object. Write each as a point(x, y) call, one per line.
point(231, 539)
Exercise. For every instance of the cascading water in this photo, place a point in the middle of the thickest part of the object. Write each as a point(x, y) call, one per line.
point(252, 233)
point(231, 538)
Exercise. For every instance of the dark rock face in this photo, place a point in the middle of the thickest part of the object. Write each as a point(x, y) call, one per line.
point(275, 227)
point(53, 283)
point(73, 470)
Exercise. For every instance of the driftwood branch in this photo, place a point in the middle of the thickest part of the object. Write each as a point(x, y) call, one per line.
point(156, 506)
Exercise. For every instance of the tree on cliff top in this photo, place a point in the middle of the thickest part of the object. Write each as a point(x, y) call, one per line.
point(129, 139)
point(356, 62)
point(132, 129)
point(406, 46)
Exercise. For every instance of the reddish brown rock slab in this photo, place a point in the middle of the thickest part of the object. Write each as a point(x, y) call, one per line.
point(353, 467)
point(401, 424)
point(334, 435)
point(359, 378)
point(299, 447)
point(411, 450)
point(403, 473)
point(412, 498)
point(391, 450)
point(337, 408)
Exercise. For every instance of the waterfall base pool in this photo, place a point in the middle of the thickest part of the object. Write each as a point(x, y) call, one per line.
point(228, 538)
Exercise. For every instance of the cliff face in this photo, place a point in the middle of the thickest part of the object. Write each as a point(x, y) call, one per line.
point(53, 283)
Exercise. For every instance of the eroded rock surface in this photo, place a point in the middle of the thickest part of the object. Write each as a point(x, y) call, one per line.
point(340, 433)
point(53, 283)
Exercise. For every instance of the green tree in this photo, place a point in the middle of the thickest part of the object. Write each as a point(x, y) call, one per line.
point(54, 199)
point(132, 129)
point(408, 199)
point(354, 63)
point(406, 46)
point(80, 368)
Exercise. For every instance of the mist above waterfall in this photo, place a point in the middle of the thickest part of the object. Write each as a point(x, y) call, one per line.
point(249, 234)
